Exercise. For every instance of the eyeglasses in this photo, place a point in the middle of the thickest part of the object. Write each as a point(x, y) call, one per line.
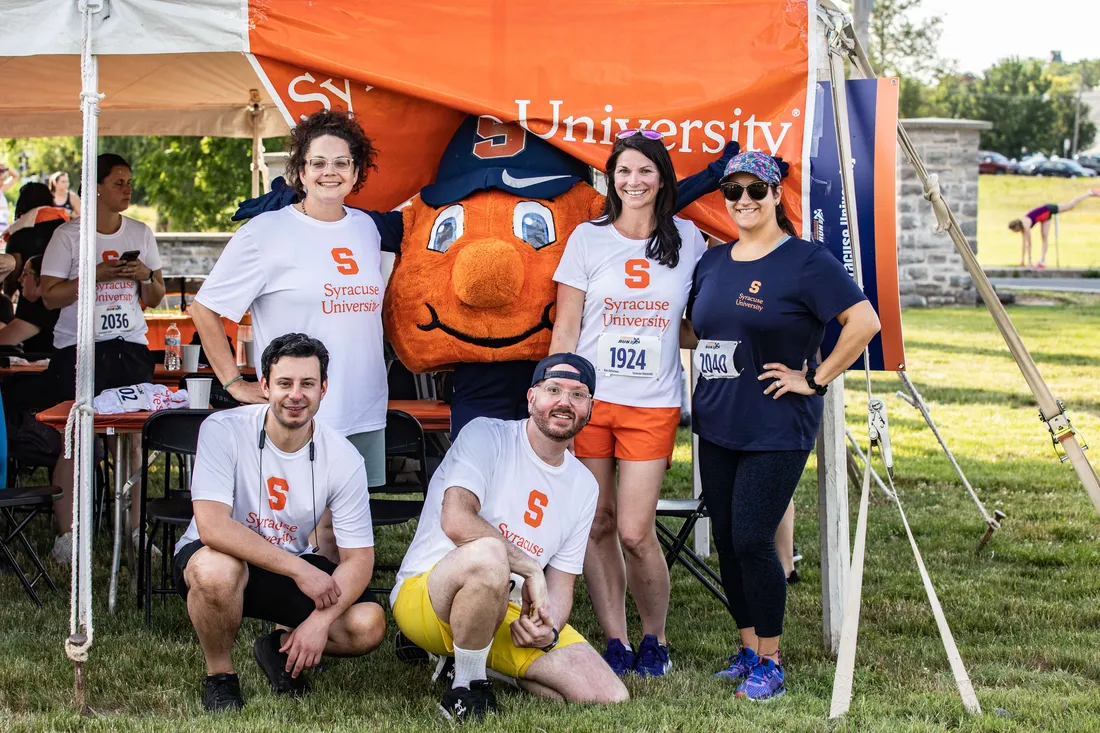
point(577, 397)
point(319, 165)
point(757, 190)
point(647, 134)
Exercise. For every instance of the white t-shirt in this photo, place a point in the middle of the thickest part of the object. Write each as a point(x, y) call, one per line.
point(285, 506)
point(118, 308)
point(630, 327)
point(297, 274)
point(544, 510)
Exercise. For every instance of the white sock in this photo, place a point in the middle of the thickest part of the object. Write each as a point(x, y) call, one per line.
point(470, 665)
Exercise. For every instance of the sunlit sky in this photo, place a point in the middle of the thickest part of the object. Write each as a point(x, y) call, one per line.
point(977, 33)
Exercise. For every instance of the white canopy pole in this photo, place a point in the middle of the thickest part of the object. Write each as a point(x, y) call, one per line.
point(80, 423)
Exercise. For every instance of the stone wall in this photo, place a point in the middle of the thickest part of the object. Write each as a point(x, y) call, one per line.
point(188, 253)
point(930, 271)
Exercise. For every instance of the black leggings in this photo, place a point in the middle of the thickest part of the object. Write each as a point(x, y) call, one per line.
point(747, 493)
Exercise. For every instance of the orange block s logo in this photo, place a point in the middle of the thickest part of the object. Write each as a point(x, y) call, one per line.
point(110, 256)
point(345, 263)
point(637, 274)
point(502, 139)
point(754, 287)
point(277, 490)
point(536, 502)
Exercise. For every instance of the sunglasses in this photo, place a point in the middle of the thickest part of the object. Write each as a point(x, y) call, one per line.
point(648, 134)
point(757, 190)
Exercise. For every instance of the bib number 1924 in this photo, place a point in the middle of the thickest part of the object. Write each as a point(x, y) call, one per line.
point(623, 358)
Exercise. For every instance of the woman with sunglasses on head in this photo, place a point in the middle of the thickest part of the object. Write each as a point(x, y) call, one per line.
point(623, 283)
point(314, 268)
point(758, 307)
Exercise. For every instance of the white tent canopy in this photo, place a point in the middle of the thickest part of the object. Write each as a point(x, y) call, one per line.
point(165, 68)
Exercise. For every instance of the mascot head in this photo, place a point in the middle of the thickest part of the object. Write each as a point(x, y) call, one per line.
point(474, 282)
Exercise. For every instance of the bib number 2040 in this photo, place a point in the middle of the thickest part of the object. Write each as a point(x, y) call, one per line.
point(713, 364)
point(625, 358)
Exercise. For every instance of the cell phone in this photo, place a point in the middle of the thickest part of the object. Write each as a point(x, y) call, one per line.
point(129, 256)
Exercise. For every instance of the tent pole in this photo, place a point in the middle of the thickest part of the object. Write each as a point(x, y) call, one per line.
point(256, 111)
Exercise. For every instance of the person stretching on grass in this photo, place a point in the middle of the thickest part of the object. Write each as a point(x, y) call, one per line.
point(263, 476)
point(1043, 215)
point(509, 504)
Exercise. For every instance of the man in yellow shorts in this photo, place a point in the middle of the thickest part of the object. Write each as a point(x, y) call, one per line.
point(509, 505)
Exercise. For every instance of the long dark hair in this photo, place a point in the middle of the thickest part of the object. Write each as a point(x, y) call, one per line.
point(782, 220)
point(31, 196)
point(663, 245)
point(338, 124)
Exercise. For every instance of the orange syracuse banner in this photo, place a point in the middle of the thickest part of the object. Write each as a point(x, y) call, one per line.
point(574, 72)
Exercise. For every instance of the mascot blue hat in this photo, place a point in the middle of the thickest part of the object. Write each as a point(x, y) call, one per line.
point(485, 153)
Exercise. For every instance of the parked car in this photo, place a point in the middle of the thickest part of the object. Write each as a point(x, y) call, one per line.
point(1063, 168)
point(1092, 162)
point(993, 162)
point(1029, 163)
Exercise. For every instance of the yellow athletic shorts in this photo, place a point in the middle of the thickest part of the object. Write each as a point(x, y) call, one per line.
point(417, 619)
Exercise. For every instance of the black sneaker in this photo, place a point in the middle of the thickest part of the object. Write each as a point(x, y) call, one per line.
point(408, 652)
point(273, 663)
point(221, 692)
point(444, 671)
point(474, 703)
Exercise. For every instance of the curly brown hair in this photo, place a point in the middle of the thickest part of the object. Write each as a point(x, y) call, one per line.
point(338, 124)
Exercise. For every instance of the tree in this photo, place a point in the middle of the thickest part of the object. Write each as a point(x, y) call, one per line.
point(901, 47)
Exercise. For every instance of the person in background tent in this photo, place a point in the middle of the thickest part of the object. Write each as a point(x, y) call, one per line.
point(1043, 216)
point(623, 282)
point(314, 267)
point(128, 275)
point(8, 179)
point(756, 318)
point(63, 198)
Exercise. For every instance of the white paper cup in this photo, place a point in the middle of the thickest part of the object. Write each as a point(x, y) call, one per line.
point(249, 353)
point(198, 392)
point(191, 357)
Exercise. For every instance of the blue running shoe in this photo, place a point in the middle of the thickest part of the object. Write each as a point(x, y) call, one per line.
point(764, 683)
point(653, 659)
point(619, 657)
point(740, 665)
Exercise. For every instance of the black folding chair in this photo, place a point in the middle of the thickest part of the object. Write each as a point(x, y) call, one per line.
point(404, 439)
point(676, 543)
point(174, 433)
point(29, 501)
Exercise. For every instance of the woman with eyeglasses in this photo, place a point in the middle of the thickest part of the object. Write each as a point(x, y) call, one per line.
point(315, 268)
point(758, 307)
point(623, 283)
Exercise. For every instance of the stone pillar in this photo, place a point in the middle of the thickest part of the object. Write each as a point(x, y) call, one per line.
point(930, 271)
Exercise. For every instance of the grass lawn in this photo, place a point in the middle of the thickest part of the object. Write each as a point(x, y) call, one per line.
point(1025, 614)
point(1004, 198)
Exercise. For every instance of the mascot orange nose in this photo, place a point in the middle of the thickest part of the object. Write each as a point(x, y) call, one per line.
point(488, 274)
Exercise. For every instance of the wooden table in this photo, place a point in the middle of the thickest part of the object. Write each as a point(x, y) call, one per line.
point(36, 368)
point(172, 379)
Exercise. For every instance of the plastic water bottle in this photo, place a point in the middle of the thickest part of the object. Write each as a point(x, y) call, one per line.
point(173, 359)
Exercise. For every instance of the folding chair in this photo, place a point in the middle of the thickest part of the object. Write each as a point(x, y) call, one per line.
point(172, 432)
point(404, 439)
point(676, 543)
point(32, 500)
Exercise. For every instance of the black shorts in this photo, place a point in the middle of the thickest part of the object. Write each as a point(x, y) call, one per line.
point(268, 596)
point(118, 363)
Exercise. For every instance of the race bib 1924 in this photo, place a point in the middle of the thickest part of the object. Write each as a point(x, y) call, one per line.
point(629, 356)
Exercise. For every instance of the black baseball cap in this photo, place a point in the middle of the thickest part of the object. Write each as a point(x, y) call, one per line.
point(545, 370)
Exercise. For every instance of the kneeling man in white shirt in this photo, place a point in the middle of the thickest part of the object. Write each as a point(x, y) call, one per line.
point(509, 504)
point(263, 476)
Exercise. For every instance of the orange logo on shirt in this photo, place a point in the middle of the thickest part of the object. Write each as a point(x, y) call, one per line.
point(536, 502)
point(110, 256)
point(754, 287)
point(637, 274)
point(277, 490)
point(501, 139)
point(345, 263)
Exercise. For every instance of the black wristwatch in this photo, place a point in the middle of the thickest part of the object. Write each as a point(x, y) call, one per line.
point(552, 644)
point(820, 389)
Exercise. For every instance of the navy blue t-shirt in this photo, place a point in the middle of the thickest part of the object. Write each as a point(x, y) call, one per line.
point(777, 308)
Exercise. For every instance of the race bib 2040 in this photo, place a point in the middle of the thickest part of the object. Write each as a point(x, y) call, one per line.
point(629, 356)
point(714, 359)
